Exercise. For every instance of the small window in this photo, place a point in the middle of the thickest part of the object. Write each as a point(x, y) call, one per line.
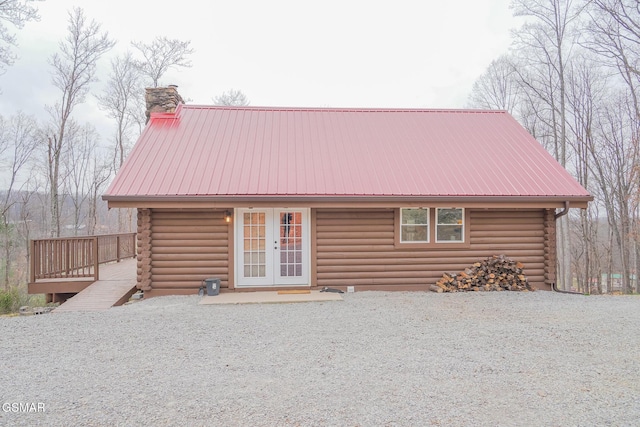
point(449, 225)
point(414, 225)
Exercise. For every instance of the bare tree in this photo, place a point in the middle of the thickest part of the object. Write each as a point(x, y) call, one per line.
point(25, 219)
point(586, 91)
point(232, 97)
point(17, 144)
point(16, 13)
point(101, 172)
point(615, 156)
point(122, 100)
point(544, 43)
point(73, 72)
point(497, 88)
point(89, 168)
point(160, 55)
point(78, 170)
point(613, 33)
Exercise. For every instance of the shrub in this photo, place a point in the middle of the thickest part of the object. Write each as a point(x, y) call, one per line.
point(15, 297)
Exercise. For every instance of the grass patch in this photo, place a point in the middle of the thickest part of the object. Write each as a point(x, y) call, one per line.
point(15, 297)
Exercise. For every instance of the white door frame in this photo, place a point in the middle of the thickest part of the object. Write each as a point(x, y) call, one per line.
point(270, 275)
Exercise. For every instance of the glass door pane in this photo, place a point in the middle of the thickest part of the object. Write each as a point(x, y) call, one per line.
point(255, 244)
point(290, 244)
point(292, 256)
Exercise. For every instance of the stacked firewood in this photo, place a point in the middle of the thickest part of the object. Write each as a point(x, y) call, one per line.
point(496, 273)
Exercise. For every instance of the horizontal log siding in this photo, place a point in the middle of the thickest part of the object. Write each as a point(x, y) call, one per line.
point(187, 247)
point(356, 247)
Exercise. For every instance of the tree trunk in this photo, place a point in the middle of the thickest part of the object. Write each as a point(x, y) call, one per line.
point(6, 263)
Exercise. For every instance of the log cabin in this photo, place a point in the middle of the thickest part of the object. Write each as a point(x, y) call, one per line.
point(374, 199)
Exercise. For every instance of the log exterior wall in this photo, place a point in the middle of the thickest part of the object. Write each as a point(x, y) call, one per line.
point(177, 249)
point(144, 249)
point(356, 247)
point(187, 247)
point(549, 247)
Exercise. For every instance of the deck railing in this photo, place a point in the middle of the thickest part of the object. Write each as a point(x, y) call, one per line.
point(78, 257)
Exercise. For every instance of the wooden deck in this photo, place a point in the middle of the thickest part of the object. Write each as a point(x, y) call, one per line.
point(61, 267)
point(116, 285)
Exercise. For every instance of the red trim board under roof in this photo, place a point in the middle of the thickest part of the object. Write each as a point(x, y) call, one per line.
point(207, 152)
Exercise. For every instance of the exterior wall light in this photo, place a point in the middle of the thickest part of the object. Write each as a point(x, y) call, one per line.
point(227, 216)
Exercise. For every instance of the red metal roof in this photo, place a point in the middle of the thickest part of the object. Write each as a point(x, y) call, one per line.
point(208, 152)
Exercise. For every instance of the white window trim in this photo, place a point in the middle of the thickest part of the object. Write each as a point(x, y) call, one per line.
point(464, 225)
point(428, 224)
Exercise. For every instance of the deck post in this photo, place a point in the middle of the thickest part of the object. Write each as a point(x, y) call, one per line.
point(96, 259)
point(118, 248)
point(32, 263)
point(66, 253)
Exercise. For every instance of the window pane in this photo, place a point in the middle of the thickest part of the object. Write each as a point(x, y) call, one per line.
point(415, 216)
point(415, 233)
point(449, 233)
point(449, 216)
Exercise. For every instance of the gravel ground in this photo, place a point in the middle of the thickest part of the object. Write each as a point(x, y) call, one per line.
point(375, 359)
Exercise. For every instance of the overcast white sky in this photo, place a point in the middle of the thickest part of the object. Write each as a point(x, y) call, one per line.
point(333, 53)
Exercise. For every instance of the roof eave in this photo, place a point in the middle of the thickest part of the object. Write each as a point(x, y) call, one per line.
point(575, 201)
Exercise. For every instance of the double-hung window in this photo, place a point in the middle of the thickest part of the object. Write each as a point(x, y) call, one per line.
point(449, 225)
point(444, 228)
point(414, 225)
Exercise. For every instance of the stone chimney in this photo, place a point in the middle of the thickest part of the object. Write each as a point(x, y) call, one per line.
point(162, 99)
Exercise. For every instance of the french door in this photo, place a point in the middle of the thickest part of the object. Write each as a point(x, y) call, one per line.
point(272, 247)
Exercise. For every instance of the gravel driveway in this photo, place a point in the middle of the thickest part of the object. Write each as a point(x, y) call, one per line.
point(374, 359)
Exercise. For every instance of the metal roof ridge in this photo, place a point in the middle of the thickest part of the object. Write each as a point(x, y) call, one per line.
point(340, 109)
